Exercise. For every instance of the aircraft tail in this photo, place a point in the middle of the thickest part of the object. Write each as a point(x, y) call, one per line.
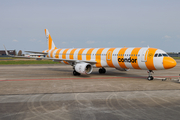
point(49, 40)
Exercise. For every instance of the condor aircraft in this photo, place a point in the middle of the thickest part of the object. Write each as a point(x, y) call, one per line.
point(84, 59)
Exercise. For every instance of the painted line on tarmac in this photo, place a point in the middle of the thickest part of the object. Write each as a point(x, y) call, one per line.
point(82, 78)
point(79, 78)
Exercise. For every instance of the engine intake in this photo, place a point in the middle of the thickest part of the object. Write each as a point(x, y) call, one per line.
point(83, 68)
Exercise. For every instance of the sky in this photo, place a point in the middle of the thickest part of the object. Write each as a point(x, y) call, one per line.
point(90, 23)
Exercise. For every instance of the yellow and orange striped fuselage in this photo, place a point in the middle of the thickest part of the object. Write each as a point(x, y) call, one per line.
point(120, 58)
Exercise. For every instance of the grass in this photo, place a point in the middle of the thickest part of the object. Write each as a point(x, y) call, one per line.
point(176, 57)
point(23, 62)
point(7, 58)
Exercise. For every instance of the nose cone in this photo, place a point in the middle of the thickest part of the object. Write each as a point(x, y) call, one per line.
point(169, 62)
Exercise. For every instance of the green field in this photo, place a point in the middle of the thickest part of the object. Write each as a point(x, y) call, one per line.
point(176, 58)
point(7, 58)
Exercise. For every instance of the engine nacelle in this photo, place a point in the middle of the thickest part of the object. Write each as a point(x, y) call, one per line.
point(83, 68)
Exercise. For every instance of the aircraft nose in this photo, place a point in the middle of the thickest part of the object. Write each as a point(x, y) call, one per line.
point(169, 62)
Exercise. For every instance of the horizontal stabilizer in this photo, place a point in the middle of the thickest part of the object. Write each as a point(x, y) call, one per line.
point(36, 52)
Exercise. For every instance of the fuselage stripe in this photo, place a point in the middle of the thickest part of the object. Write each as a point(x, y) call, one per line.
point(64, 54)
point(57, 53)
point(121, 57)
point(109, 55)
point(150, 56)
point(98, 57)
point(134, 55)
point(51, 55)
point(80, 53)
point(88, 55)
point(72, 54)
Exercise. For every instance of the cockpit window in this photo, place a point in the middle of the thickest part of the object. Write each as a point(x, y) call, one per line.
point(164, 54)
point(160, 55)
point(156, 55)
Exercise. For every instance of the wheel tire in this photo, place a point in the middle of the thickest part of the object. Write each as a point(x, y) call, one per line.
point(104, 70)
point(149, 78)
point(100, 71)
point(74, 73)
point(152, 78)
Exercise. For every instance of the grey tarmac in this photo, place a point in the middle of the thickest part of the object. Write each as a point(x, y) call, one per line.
point(51, 92)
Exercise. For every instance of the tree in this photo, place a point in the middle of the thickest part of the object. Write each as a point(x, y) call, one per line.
point(20, 53)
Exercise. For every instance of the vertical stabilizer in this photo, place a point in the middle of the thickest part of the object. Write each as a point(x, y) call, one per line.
point(49, 40)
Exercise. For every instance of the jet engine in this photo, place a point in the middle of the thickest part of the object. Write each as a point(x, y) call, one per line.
point(83, 68)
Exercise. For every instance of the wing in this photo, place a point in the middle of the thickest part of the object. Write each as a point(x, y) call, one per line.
point(70, 60)
point(55, 59)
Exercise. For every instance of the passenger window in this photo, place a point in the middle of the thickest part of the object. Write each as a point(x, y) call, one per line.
point(156, 55)
point(160, 55)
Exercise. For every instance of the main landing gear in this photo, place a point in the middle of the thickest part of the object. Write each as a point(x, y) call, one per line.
point(102, 70)
point(76, 73)
point(150, 77)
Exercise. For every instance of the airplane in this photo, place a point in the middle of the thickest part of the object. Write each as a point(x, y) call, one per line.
point(84, 59)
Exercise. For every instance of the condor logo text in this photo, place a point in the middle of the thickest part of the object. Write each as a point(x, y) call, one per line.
point(127, 60)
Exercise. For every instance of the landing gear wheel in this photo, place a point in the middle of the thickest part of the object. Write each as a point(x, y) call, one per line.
point(150, 78)
point(76, 73)
point(102, 70)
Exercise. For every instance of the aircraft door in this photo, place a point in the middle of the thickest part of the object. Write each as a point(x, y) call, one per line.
point(144, 55)
point(109, 55)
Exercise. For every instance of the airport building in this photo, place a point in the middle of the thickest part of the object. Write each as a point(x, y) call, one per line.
point(3, 53)
point(172, 54)
point(36, 55)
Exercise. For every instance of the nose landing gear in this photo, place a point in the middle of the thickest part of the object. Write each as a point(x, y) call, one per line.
point(150, 77)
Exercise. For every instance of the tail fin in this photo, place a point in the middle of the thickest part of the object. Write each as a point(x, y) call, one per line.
point(50, 41)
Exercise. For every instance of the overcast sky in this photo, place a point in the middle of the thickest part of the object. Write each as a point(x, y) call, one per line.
point(90, 23)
